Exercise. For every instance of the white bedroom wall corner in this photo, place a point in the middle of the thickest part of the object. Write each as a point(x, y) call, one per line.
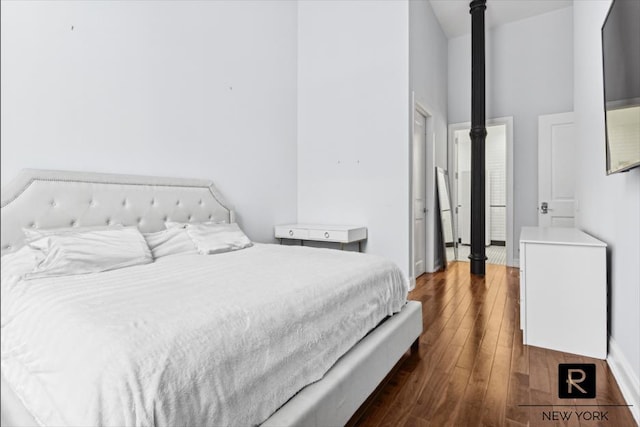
point(626, 378)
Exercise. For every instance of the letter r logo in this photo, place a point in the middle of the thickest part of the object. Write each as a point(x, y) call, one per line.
point(577, 380)
point(573, 382)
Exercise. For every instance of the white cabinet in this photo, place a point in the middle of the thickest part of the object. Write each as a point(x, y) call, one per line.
point(563, 290)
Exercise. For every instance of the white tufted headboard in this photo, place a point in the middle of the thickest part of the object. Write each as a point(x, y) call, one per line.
point(49, 199)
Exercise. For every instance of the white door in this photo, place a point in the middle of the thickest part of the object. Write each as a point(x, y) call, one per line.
point(419, 193)
point(556, 170)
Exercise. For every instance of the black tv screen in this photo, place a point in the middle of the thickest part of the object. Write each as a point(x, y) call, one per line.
point(621, 68)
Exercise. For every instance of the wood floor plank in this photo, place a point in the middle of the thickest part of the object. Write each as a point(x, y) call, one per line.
point(472, 368)
point(540, 380)
point(417, 422)
point(483, 361)
point(439, 348)
point(494, 404)
point(380, 404)
point(448, 405)
point(518, 393)
point(429, 402)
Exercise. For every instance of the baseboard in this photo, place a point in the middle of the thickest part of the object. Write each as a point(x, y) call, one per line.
point(625, 377)
point(412, 284)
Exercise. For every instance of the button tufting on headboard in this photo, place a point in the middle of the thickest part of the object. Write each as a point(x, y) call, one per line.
point(50, 199)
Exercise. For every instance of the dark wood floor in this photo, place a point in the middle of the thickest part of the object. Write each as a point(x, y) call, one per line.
point(472, 369)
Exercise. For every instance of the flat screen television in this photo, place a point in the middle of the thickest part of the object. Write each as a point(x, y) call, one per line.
point(621, 68)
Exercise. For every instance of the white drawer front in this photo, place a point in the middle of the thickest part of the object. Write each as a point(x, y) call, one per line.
point(329, 235)
point(291, 233)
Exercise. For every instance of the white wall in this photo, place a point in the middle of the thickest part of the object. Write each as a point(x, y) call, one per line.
point(428, 70)
point(609, 206)
point(529, 70)
point(191, 89)
point(353, 119)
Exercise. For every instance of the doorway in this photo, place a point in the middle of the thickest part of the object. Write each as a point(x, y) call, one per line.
point(419, 180)
point(498, 190)
point(421, 192)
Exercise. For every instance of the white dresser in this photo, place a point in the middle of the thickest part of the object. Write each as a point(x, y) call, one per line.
point(563, 290)
point(342, 234)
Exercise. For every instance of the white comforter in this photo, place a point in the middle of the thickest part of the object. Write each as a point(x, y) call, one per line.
point(190, 340)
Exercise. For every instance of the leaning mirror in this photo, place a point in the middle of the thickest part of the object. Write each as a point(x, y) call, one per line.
point(446, 217)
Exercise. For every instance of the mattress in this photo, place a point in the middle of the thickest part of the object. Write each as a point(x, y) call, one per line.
point(189, 340)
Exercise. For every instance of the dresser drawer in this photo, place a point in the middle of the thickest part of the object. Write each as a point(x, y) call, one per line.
point(291, 233)
point(329, 235)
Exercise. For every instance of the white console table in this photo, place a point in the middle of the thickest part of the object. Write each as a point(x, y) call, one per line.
point(342, 234)
point(563, 290)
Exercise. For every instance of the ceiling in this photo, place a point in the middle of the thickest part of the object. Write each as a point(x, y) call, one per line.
point(455, 19)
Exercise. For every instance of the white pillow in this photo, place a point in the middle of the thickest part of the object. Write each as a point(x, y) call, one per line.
point(174, 224)
point(172, 241)
point(38, 233)
point(19, 262)
point(90, 252)
point(212, 238)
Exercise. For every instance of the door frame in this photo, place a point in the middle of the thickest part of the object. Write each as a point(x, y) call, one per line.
point(453, 166)
point(429, 188)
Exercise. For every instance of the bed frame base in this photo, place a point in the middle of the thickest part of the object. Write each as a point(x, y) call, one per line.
point(333, 400)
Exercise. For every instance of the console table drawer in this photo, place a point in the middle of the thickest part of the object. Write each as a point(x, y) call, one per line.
point(329, 235)
point(291, 233)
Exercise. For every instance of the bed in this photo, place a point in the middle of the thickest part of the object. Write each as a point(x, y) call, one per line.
point(167, 322)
